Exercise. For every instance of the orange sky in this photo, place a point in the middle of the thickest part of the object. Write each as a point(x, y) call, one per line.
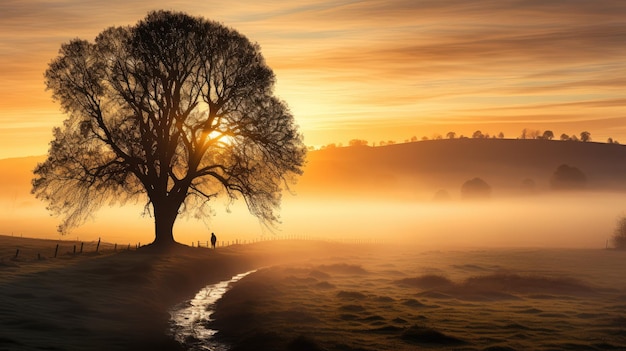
point(375, 70)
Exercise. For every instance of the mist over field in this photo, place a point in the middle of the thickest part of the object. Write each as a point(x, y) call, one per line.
point(388, 194)
point(407, 258)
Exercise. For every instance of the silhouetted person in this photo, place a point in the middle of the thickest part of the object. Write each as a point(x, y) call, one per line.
point(213, 240)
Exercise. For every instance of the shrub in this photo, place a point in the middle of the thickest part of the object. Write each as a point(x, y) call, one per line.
point(475, 189)
point(619, 235)
point(568, 178)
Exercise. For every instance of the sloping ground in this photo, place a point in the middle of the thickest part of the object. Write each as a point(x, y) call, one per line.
point(404, 170)
point(116, 301)
point(427, 166)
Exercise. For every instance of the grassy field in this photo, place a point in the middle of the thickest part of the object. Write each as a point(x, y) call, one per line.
point(513, 299)
point(113, 300)
point(314, 296)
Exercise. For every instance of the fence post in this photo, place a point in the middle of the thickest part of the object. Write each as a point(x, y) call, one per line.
point(115, 247)
point(38, 256)
point(98, 246)
point(128, 247)
point(74, 249)
point(56, 251)
point(81, 247)
point(17, 252)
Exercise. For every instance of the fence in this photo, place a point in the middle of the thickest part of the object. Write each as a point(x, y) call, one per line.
point(225, 243)
point(40, 251)
point(65, 249)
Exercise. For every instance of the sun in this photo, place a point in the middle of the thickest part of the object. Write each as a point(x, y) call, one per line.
point(221, 138)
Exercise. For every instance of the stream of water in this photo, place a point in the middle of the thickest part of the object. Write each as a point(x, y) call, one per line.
point(188, 319)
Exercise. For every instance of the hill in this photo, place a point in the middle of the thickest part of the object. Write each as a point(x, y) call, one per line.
point(418, 170)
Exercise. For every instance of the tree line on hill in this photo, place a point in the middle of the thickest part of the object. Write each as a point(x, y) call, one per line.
point(527, 133)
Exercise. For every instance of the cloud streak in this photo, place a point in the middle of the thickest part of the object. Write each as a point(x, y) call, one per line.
point(374, 69)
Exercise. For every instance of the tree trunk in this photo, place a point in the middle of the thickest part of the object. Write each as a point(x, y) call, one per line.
point(164, 217)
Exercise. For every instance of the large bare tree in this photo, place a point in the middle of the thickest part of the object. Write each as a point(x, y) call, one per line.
point(173, 112)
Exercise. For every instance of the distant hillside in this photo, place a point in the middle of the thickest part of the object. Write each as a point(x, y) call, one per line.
point(418, 170)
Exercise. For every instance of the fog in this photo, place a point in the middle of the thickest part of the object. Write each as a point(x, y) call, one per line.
point(572, 220)
point(353, 194)
point(581, 219)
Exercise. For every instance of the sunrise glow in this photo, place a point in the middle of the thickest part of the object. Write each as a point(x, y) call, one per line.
point(373, 70)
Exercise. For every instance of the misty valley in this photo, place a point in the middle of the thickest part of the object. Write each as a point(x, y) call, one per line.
point(381, 261)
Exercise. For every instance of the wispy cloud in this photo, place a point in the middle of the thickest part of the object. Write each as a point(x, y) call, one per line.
point(378, 68)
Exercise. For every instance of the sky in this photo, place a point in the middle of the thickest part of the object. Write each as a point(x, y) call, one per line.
point(377, 70)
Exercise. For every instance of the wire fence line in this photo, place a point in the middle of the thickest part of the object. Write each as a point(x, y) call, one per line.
point(65, 249)
point(224, 243)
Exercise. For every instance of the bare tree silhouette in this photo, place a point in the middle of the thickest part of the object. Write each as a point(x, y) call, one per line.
point(172, 111)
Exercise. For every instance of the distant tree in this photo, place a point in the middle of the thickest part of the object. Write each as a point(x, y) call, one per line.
point(568, 178)
point(548, 135)
point(358, 142)
point(475, 189)
point(413, 139)
point(585, 136)
point(478, 135)
point(523, 136)
point(619, 234)
point(533, 134)
point(450, 135)
point(573, 138)
point(441, 195)
point(382, 143)
point(171, 112)
point(424, 138)
point(437, 136)
point(609, 140)
point(329, 146)
point(390, 142)
point(500, 135)
point(564, 137)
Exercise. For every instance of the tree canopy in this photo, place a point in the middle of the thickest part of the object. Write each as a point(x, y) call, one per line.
point(568, 178)
point(474, 189)
point(173, 111)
